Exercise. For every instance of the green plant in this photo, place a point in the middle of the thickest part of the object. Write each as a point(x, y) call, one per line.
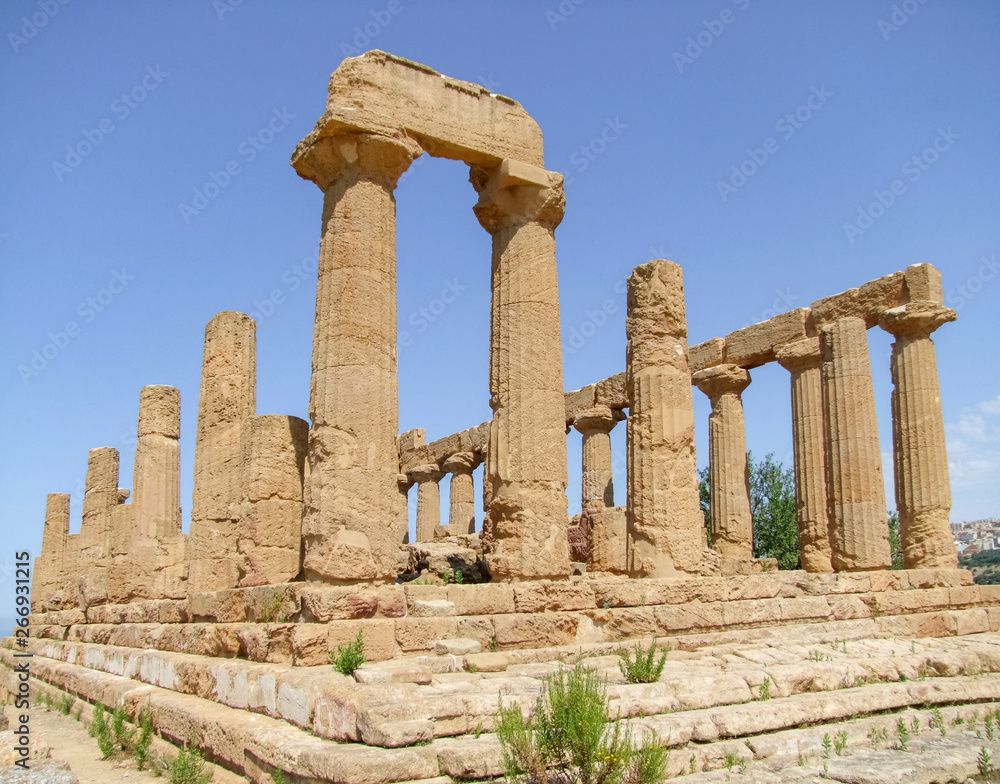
point(271, 610)
point(188, 767)
point(825, 773)
point(79, 711)
point(123, 736)
point(765, 690)
point(840, 742)
point(802, 760)
point(644, 668)
point(66, 704)
point(472, 667)
point(877, 612)
point(48, 702)
point(902, 734)
point(350, 656)
point(937, 720)
point(915, 725)
point(984, 761)
point(989, 726)
point(693, 763)
point(493, 647)
point(278, 777)
point(827, 745)
point(479, 730)
point(100, 730)
point(570, 732)
point(141, 749)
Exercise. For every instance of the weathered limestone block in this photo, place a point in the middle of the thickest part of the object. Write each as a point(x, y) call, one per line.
point(665, 526)
point(612, 392)
point(157, 471)
point(596, 424)
point(578, 400)
point(524, 534)
point(707, 354)
point(273, 456)
point(227, 399)
point(352, 499)
point(50, 576)
point(923, 283)
point(729, 489)
point(462, 512)
point(802, 360)
point(607, 540)
point(923, 490)
point(865, 302)
point(99, 500)
point(428, 499)
point(859, 533)
point(753, 346)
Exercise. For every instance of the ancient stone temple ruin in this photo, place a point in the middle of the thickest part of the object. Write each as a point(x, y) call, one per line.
point(298, 534)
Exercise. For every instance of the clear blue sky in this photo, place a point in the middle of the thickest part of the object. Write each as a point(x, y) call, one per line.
point(646, 107)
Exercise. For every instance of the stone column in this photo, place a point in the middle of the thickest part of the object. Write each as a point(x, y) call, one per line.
point(595, 425)
point(227, 399)
point(99, 501)
point(923, 489)
point(525, 531)
point(273, 453)
point(666, 532)
point(728, 482)
point(156, 476)
point(428, 500)
point(802, 360)
point(859, 532)
point(462, 514)
point(49, 573)
point(350, 522)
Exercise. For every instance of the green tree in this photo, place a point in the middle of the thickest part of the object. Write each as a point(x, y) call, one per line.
point(895, 544)
point(772, 505)
point(706, 504)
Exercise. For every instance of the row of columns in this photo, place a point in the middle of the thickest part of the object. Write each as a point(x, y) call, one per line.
point(840, 493)
point(462, 506)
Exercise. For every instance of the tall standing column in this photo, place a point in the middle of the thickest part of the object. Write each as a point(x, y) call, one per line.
point(99, 501)
point(666, 532)
point(729, 489)
point(462, 512)
point(428, 500)
point(802, 360)
point(923, 489)
point(859, 532)
point(525, 531)
point(351, 516)
point(228, 398)
point(49, 573)
point(157, 473)
point(595, 425)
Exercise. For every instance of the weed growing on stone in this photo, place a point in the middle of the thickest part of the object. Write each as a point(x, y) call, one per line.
point(66, 704)
point(878, 736)
point(902, 734)
point(479, 730)
point(350, 656)
point(984, 761)
point(100, 731)
point(48, 702)
point(936, 721)
point(989, 726)
point(278, 777)
point(141, 749)
point(840, 742)
point(79, 711)
point(644, 668)
point(189, 767)
point(570, 733)
point(765, 690)
point(271, 610)
point(827, 745)
point(123, 736)
point(733, 760)
point(915, 725)
point(693, 764)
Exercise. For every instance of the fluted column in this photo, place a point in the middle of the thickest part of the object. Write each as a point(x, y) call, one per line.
point(157, 473)
point(666, 532)
point(462, 513)
point(859, 531)
point(595, 425)
point(99, 502)
point(920, 461)
point(351, 517)
point(802, 360)
point(49, 572)
point(428, 500)
point(525, 531)
point(732, 523)
point(228, 398)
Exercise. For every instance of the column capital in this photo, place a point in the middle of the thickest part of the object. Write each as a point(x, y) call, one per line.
point(426, 473)
point(382, 159)
point(515, 193)
point(598, 419)
point(915, 319)
point(800, 355)
point(722, 380)
point(460, 463)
